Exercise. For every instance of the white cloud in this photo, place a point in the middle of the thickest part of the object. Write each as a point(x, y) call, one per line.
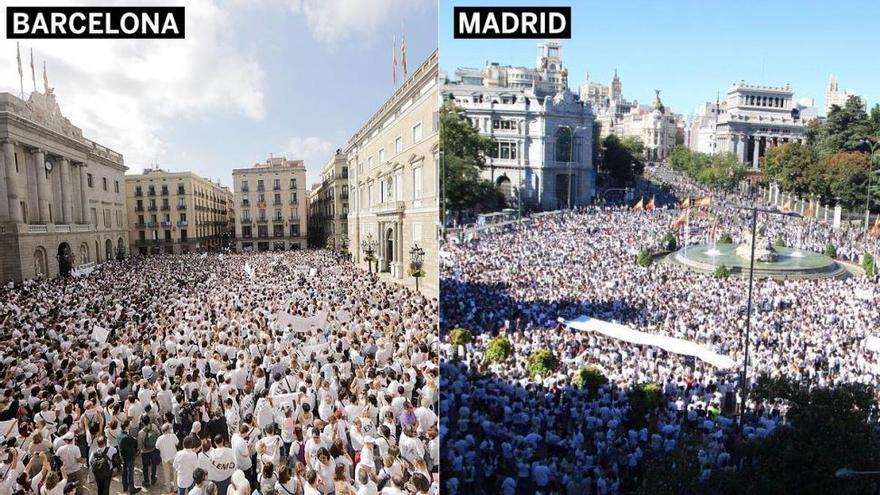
point(334, 20)
point(122, 92)
point(313, 150)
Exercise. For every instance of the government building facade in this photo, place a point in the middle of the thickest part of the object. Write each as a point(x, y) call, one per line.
point(177, 212)
point(394, 182)
point(543, 131)
point(749, 121)
point(63, 195)
point(270, 206)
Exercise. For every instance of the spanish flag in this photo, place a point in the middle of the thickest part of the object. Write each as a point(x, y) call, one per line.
point(787, 206)
point(682, 220)
point(685, 204)
point(650, 205)
point(639, 206)
point(808, 212)
point(703, 201)
point(876, 228)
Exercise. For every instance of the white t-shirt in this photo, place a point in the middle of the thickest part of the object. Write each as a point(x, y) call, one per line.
point(241, 451)
point(185, 463)
point(221, 464)
point(167, 445)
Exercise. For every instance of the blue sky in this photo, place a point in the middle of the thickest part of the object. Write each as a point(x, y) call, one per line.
point(690, 49)
point(253, 77)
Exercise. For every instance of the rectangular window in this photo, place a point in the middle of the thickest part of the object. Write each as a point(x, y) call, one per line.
point(417, 183)
point(104, 183)
point(183, 235)
point(277, 184)
point(369, 163)
point(244, 185)
point(116, 186)
point(16, 163)
point(505, 150)
point(90, 180)
point(504, 125)
point(294, 230)
point(417, 133)
point(398, 145)
point(140, 219)
point(142, 235)
point(381, 156)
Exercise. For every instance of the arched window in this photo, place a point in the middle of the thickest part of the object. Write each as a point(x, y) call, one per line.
point(564, 146)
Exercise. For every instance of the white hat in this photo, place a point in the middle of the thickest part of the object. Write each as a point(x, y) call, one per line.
point(68, 436)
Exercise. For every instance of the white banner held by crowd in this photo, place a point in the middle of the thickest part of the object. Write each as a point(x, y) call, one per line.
point(668, 344)
point(100, 334)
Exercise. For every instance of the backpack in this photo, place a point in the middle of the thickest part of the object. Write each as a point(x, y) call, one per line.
point(150, 437)
point(101, 465)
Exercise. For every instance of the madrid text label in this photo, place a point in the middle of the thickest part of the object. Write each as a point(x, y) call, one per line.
point(511, 22)
point(95, 22)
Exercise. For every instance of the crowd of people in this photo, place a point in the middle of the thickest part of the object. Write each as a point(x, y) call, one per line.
point(517, 432)
point(273, 373)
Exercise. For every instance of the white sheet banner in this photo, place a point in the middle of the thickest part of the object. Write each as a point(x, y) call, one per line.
point(100, 334)
point(668, 344)
point(864, 294)
point(872, 343)
point(307, 350)
point(299, 323)
point(281, 399)
point(250, 271)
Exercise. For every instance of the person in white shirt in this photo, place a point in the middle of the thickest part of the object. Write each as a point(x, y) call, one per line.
point(221, 464)
point(185, 463)
point(71, 458)
point(366, 486)
point(167, 446)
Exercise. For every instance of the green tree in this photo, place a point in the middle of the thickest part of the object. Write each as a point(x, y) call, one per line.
point(830, 250)
point(722, 272)
point(779, 242)
point(846, 173)
point(499, 349)
point(668, 241)
point(680, 158)
point(464, 157)
point(725, 239)
point(844, 128)
point(868, 264)
point(789, 164)
point(622, 166)
point(542, 362)
point(460, 337)
point(827, 428)
point(644, 258)
point(590, 378)
point(634, 146)
point(644, 400)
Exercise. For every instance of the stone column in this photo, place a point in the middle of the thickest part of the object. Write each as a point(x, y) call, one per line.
point(757, 150)
point(83, 200)
point(13, 190)
point(42, 185)
point(66, 191)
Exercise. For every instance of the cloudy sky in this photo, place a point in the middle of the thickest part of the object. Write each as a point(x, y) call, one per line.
point(252, 77)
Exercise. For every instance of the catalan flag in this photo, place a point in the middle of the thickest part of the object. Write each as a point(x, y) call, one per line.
point(703, 201)
point(808, 213)
point(639, 206)
point(682, 220)
point(403, 54)
point(787, 206)
point(650, 205)
point(685, 204)
point(875, 230)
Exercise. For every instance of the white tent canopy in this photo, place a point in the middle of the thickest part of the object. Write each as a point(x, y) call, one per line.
point(668, 344)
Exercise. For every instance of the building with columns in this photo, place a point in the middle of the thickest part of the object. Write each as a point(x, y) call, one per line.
point(177, 212)
point(270, 205)
point(394, 181)
point(63, 198)
point(543, 157)
point(328, 205)
point(750, 120)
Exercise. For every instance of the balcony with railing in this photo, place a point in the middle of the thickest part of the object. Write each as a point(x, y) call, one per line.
point(182, 223)
point(151, 225)
point(276, 188)
point(262, 220)
point(165, 225)
point(151, 192)
point(140, 225)
point(139, 208)
point(164, 191)
point(261, 188)
point(246, 221)
point(245, 189)
point(181, 191)
point(138, 193)
point(277, 203)
point(166, 207)
point(181, 206)
point(151, 208)
point(293, 202)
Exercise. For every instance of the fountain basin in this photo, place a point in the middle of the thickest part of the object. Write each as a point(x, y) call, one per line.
point(790, 263)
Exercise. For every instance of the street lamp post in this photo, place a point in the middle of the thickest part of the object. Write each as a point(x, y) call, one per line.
point(369, 246)
point(416, 260)
point(873, 145)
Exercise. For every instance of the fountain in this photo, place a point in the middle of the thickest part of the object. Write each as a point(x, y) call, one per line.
point(770, 261)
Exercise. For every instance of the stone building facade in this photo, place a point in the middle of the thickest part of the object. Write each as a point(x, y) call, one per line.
point(63, 197)
point(328, 206)
point(270, 206)
point(177, 212)
point(394, 180)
